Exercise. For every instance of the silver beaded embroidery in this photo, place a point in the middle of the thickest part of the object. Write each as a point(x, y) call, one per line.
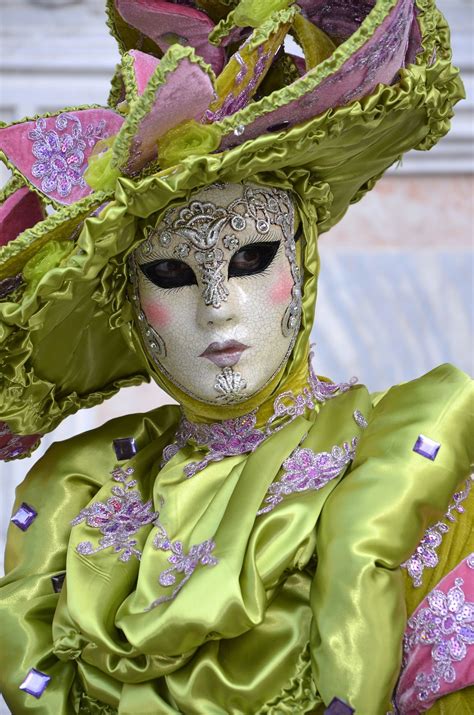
point(200, 224)
point(153, 342)
point(425, 555)
point(229, 384)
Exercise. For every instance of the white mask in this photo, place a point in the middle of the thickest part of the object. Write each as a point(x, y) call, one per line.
point(217, 291)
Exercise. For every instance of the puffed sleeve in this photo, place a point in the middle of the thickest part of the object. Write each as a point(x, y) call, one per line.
point(399, 484)
point(56, 489)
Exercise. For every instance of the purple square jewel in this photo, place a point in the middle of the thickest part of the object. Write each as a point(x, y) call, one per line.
point(24, 516)
point(338, 707)
point(58, 581)
point(125, 448)
point(35, 683)
point(426, 447)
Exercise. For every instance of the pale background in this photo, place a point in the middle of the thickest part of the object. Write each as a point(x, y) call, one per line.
point(396, 292)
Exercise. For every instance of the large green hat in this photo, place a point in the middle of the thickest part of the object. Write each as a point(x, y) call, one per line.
point(206, 91)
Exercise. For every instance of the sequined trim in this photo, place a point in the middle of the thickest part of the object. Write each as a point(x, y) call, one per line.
point(60, 156)
point(121, 516)
point(446, 626)
point(240, 436)
point(306, 470)
point(182, 562)
point(224, 439)
point(360, 419)
point(425, 555)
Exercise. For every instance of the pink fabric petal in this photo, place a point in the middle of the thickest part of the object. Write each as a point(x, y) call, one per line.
point(52, 152)
point(186, 94)
point(143, 65)
point(376, 62)
point(166, 23)
point(338, 18)
point(22, 210)
point(13, 445)
point(439, 651)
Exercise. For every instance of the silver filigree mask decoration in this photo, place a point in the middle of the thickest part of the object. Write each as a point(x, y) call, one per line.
point(206, 234)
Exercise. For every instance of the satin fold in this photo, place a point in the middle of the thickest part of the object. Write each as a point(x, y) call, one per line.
point(304, 603)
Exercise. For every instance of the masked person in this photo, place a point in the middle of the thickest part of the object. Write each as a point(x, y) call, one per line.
point(276, 542)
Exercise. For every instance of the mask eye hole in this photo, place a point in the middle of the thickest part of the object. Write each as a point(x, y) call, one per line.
point(169, 273)
point(252, 258)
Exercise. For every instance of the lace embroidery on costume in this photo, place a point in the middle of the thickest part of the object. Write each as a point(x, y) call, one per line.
point(425, 555)
point(446, 626)
point(306, 470)
point(182, 562)
point(121, 516)
point(60, 156)
point(239, 435)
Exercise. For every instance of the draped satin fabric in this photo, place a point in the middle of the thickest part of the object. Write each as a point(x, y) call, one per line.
point(263, 630)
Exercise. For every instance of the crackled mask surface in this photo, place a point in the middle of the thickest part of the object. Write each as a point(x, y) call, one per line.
point(218, 293)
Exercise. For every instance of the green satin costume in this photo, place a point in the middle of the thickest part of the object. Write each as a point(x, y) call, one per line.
point(301, 604)
point(263, 630)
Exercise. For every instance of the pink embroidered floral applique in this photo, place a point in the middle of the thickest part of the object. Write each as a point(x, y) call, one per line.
point(306, 470)
point(438, 643)
point(119, 518)
point(425, 555)
point(183, 562)
point(60, 156)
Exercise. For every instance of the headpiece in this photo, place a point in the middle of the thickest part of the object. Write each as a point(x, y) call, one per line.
point(206, 92)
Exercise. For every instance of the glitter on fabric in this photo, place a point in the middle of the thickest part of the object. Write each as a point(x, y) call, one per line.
point(60, 155)
point(24, 516)
point(35, 683)
point(425, 555)
point(182, 563)
point(426, 447)
point(125, 448)
point(306, 470)
point(240, 436)
point(446, 626)
point(121, 516)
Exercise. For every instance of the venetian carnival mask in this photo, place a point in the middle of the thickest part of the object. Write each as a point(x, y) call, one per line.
point(218, 291)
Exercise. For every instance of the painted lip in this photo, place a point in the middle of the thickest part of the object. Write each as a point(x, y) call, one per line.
point(224, 354)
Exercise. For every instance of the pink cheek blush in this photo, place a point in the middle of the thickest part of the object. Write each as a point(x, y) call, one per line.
point(157, 314)
point(280, 292)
